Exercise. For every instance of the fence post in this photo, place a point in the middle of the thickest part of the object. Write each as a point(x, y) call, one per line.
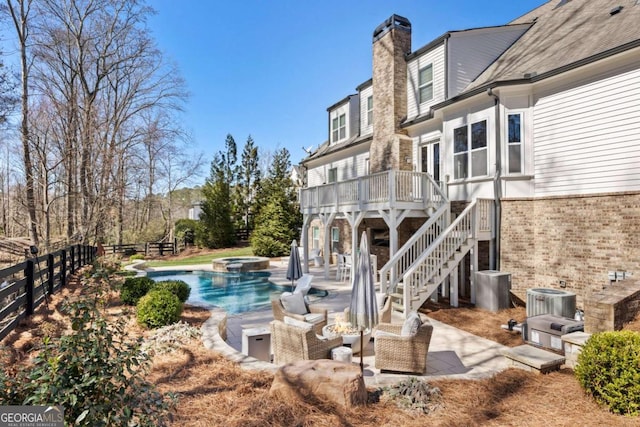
point(72, 257)
point(28, 274)
point(175, 245)
point(63, 267)
point(50, 273)
point(161, 248)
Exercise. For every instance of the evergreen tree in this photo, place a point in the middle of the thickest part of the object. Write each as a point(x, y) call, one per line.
point(217, 207)
point(248, 184)
point(279, 218)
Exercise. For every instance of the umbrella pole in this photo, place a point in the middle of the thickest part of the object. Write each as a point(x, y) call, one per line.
point(362, 352)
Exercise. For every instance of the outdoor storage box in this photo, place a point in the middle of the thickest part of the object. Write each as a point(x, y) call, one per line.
point(256, 342)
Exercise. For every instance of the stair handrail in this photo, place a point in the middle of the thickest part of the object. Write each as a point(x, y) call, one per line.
point(405, 256)
point(416, 276)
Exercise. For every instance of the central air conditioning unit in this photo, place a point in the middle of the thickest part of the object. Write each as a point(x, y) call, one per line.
point(551, 301)
point(493, 290)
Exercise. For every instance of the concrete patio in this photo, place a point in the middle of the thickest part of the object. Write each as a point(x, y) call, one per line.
point(453, 353)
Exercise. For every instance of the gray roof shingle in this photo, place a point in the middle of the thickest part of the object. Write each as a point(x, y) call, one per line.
point(564, 34)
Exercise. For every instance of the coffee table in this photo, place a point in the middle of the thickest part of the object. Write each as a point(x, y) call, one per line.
point(348, 339)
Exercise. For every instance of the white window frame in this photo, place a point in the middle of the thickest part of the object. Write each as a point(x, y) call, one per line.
point(315, 237)
point(335, 239)
point(369, 110)
point(422, 85)
point(467, 151)
point(332, 175)
point(515, 144)
point(339, 127)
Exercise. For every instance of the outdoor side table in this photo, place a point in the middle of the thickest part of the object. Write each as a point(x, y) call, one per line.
point(342, 354)
point(256, 342)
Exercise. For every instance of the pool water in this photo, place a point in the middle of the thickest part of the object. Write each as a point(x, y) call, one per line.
point(234, 292)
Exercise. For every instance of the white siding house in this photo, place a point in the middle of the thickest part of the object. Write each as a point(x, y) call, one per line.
point(425, 81)
point(470, 52)
point(587, 137)
point(516, 145)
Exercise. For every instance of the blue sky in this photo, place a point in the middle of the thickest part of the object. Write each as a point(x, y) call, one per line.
point(270, 68)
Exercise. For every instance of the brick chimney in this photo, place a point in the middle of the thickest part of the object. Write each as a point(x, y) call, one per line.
point(390, 146)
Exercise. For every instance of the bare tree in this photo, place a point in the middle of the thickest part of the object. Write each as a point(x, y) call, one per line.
point(104, 73)
point(19, 11)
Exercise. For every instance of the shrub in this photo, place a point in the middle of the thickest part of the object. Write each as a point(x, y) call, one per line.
point(186, 230)
point(414, 394)
point(268, 246)
point(97, 373)
point(136, 256)
point(609, 370)
point(135, 288)
point(177, 287)
point(158, 308)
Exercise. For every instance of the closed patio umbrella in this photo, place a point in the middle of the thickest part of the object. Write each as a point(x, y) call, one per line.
point(294, 269)
point(363, 310)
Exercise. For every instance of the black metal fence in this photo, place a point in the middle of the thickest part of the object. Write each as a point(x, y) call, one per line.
point(25, 286)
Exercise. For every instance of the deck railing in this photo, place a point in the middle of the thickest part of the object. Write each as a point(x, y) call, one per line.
point(427, 266)
point(389, 187)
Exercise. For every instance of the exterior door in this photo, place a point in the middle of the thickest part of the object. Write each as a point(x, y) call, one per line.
point(430, 159)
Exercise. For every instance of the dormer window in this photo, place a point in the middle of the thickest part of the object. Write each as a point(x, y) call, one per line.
point(369, 110)
point(339, 128)
point(425, 83)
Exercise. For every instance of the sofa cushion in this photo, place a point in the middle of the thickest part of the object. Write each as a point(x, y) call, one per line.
point(411, 325)
point(314, 317)
point(380, 333)
point(294, 303)
point(297, 323)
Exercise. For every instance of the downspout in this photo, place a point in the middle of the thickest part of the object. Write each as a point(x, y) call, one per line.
point(497, 187)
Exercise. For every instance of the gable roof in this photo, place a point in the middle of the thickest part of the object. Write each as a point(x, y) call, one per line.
point(326, 148)
point(565, 32)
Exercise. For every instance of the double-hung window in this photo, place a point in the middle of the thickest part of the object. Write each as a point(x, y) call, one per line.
point(369, 110)
point(339, 128)
point(425, 83)
point(470, 150)
point(315, 237)
point(333, 175)
point(514, 141)
point(335, 239)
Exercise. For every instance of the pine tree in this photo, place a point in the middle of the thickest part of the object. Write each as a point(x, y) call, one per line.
point(279, 218)
point(248, 184)
point(217, 207)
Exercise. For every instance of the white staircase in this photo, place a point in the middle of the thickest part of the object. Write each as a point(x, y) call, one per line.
point(433, 253)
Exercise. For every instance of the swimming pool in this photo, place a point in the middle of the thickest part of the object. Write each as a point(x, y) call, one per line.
point(234, 292)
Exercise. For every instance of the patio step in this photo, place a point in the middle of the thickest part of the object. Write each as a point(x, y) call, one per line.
point(533, 359)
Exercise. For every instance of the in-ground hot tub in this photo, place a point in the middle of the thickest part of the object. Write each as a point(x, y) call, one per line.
point(240, 264)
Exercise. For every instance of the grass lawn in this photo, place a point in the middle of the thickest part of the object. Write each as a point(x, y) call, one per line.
point(201, 258)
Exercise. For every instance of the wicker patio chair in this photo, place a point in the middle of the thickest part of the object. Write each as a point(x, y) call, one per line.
point(384, 315)
point(290, 343)
point(402, 353)
point(315, 315)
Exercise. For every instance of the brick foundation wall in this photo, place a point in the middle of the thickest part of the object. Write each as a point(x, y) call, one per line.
point(575, 239)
